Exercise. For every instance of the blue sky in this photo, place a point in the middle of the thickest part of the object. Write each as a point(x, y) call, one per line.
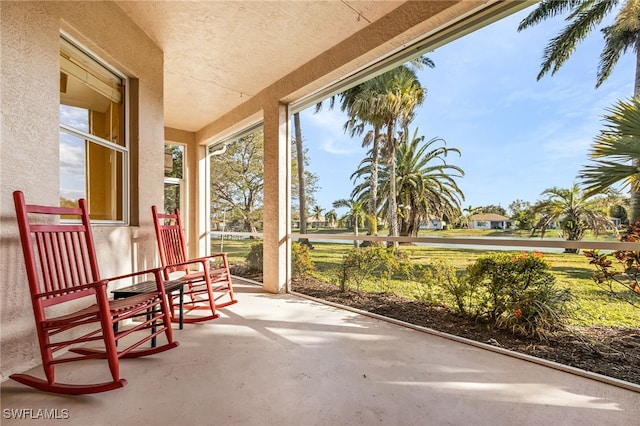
point(518, 136)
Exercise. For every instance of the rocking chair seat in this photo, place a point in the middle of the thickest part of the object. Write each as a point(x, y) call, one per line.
point(92, 312)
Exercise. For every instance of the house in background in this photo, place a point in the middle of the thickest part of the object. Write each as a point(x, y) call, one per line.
point(489, 221)
point(433, 223)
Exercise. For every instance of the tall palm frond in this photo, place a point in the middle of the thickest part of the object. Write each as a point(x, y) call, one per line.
point(621, 36)
point(583, 17)
point(614, 151)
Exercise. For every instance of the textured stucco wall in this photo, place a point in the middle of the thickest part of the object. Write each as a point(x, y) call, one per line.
point(29, 100)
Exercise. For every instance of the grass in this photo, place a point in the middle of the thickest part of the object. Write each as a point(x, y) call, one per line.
point(593, 306)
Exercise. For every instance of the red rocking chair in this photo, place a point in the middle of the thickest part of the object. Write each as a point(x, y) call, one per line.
point(208, 287)
point(62, 268)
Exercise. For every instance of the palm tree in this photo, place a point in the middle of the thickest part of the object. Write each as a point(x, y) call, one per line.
point(302, 202)
point(317, 212)
point(425, 183)
point(356, 213)
point(394, 97)
point(358, 103)
point(621, 36)
point(361, 103)
point(574, 211)
point(331, 217)
point(615, 151)
point(465, 216)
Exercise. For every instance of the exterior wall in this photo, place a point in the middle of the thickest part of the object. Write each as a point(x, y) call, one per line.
point(489, 224)
point(480, 224)
point(29, 144)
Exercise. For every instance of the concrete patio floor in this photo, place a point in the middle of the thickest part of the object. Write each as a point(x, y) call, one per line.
point(286, 360)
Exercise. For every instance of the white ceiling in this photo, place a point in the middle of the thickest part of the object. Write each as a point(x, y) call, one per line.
point(219, 53)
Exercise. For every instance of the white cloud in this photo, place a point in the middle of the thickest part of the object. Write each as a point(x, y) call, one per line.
point(326, 126)
point(77, 118)
point(71, 156)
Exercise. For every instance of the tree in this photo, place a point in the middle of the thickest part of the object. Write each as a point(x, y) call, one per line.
point(301, 177)
point(574, 211)
point(331, 218)
point(360, 106)
point(425, 182)
point(615, 151)
point(395, 96)
point(491, 208)
point(310, 180)
point(522, 215)
point(583, 16)
point(237, 180)
point(618, 211)
point(172, 192)
point(317, 213)
point(465, 216)
point(356, 214)
point(361, 103)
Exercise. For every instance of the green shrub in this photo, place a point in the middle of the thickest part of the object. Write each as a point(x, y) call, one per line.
point(443, 284)
point(518, 292)
point(255, 257)
point(301, 264)
point(364, 264)
point(538, 312)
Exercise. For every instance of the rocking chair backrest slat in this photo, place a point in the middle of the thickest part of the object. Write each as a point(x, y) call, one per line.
point(59, 256)
point(171, 242)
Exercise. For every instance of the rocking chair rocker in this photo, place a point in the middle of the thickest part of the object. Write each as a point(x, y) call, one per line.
point(62, 269)
point(208, 286)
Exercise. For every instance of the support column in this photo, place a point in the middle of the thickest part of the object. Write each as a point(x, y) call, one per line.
point(277, 188)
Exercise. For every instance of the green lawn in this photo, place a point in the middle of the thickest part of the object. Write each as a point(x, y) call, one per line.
point(593, 306)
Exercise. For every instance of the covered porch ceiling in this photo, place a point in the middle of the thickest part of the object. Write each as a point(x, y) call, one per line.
point(222, 54)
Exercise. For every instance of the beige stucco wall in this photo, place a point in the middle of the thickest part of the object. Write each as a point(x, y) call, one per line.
point(29, 98)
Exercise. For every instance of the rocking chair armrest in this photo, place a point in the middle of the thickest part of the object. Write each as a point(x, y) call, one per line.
point(88, 286)
point(185, 263)
point(207, 258)
point(203, 260)
point(221, 254)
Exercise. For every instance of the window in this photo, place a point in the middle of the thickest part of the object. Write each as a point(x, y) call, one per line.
point(173, 177)
point(93, 138)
